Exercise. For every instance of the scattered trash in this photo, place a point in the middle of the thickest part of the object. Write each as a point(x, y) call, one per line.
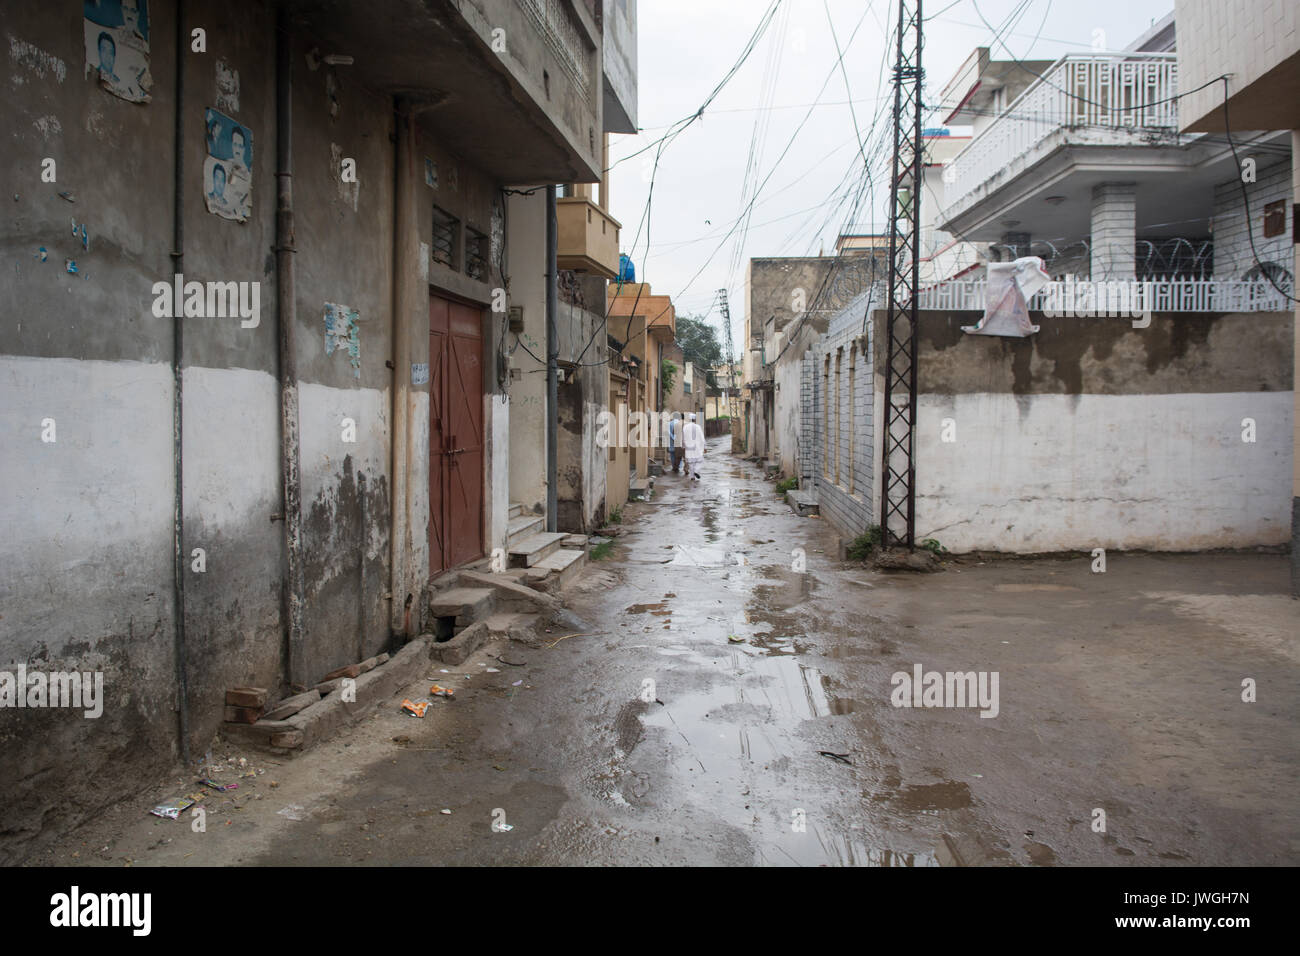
point(415, 708)
point(510, 663)
point(735, 639)
point(516, 683)
point(401, 739)
point(42, 254)
point(70, 265)
point(437, 690)
point(293, 812)
point(171, 807)
point(68, 196)
point(493, 670)
point(448, 812)
point(503, 827)
point(220, 787)
point(838, 758)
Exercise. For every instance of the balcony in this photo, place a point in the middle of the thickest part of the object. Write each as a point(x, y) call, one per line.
point(588, 237)
point(635, 301)
point(1120, 298)
point(1098, 104)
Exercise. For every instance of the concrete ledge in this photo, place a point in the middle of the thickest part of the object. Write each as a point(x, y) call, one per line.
point(511, 594)
point(462, 645)
point(331, 713)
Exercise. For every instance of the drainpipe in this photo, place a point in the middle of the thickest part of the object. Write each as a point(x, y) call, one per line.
point(284, 319)
point(406, 289)
point(178, 348)
point(552, 359)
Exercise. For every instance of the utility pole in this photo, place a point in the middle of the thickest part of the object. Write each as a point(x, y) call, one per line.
point(733, 409)
point(898, 466)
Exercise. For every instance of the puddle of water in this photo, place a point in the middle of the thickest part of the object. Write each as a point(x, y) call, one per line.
point(819, 846)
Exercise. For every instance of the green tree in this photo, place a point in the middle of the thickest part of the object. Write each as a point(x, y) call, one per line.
point(698, 341)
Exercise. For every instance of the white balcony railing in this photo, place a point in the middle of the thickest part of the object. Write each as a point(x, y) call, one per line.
point(1113, 97)
point(1121, 298)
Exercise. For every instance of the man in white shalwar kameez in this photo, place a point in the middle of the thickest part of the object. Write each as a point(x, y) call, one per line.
point(693, 442)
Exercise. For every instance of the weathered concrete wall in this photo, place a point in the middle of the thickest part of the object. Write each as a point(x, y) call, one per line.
point(1094, 434)
point(841, 444)
point(581, 465)
point(88, 568)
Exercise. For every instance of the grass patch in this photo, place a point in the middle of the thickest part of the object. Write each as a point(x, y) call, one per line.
point(860, 548)
point(601, 551)
point(932, 545)
point(616, 516)
point(788, 484)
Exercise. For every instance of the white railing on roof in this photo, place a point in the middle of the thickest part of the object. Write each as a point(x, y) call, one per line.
point(1123, 93)
point(1111, 297)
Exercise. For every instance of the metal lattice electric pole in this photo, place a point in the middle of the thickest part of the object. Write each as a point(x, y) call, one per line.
point(898, 466)
point(731, 390)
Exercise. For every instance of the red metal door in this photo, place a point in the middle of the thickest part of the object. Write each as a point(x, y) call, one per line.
point(456, 445)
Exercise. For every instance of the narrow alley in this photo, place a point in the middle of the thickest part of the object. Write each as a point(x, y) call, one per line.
point(756, 674)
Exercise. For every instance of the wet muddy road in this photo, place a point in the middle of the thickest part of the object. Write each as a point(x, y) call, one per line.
point(688, 721)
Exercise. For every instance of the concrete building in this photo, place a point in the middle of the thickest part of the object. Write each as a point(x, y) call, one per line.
point(255, 480)
point(642, 327)
point(1084, 162)
point(1257, 48)
point(789, 298)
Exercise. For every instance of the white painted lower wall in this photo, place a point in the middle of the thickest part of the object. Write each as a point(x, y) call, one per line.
point(1035, 473)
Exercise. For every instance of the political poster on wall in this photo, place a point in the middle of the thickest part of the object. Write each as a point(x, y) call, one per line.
point(117, 46)
point(228, 167)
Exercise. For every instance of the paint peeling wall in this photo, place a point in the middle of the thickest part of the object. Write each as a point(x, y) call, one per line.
point(1095, 434)
point(86, 565)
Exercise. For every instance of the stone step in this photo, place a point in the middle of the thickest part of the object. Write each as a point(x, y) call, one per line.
point(575, 541)
point(466, 605)
point(523, 526)
point(638, 489)
point(803, 502)
point(566, 564)
point(528, 552)
point(516, 509)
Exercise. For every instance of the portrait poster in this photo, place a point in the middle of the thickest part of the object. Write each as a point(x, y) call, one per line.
point(117, 46)
point(228, 167)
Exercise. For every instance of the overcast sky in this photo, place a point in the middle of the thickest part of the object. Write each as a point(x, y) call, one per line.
point(685, 47)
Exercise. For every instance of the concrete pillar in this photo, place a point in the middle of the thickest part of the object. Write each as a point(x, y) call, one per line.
point(1114, 230)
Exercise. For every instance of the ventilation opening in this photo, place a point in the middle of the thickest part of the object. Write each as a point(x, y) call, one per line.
point(444, 629)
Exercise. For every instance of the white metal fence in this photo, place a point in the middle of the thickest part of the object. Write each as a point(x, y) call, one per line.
point(1118, 92)
point(1121, 298)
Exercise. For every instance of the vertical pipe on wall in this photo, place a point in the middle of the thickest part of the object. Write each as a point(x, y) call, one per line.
point(178, 343)
point(288, 365)
point(552, 358)
point(404, 282)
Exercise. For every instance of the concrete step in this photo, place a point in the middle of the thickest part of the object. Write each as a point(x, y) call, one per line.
point(575, 541)
point(466, 605)
point(638, 489)
point(528, 552)
point(523, 526)
point(566, 564)
point(516, 509)
point(803, 502)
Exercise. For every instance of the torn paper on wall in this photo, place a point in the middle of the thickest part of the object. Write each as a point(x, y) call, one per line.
point(1010, 286)
point(228, 167)
point(342, 332)
point(117, 46)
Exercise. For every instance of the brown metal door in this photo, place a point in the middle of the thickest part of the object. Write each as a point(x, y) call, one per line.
point(455, 434)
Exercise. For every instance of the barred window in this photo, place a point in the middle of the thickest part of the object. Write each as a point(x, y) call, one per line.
point(446, 233)
point(476, 254)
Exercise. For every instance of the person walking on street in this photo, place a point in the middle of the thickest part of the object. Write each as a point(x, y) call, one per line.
point(693, 442)
point(675, 449)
